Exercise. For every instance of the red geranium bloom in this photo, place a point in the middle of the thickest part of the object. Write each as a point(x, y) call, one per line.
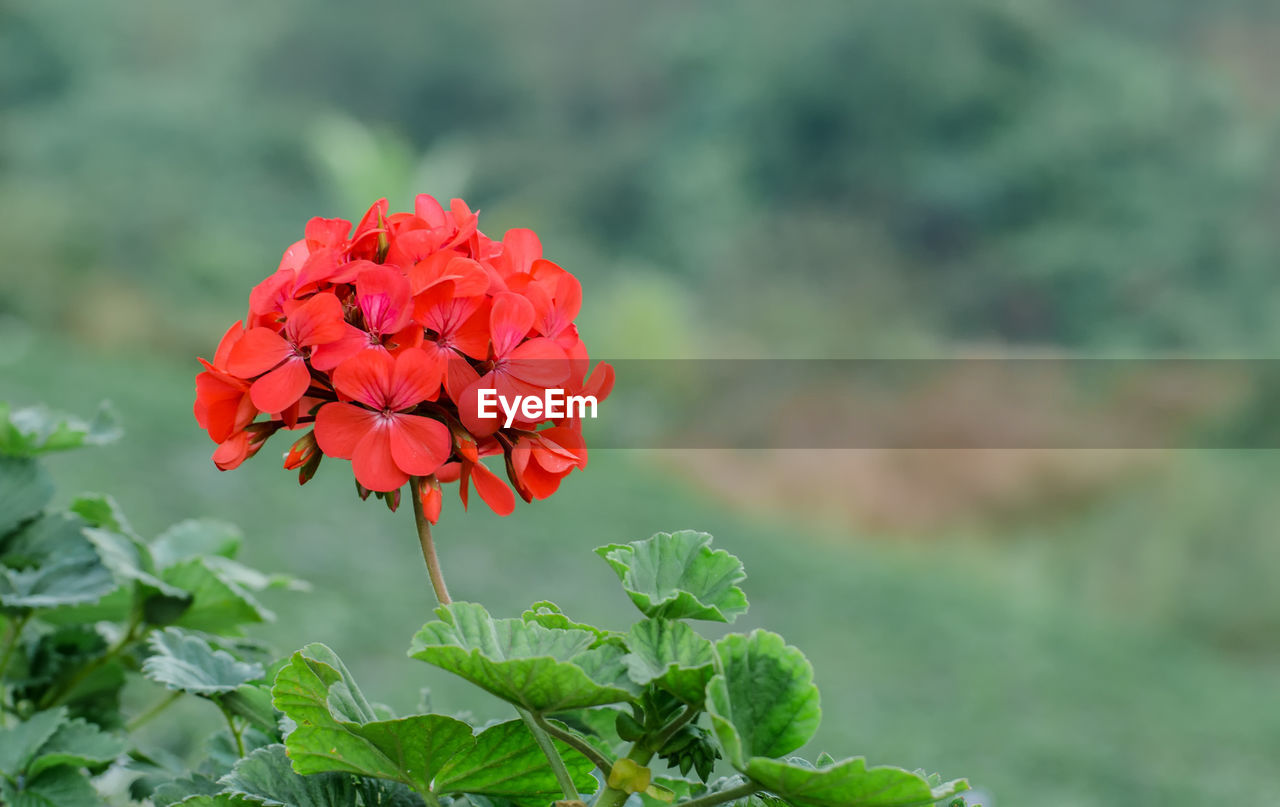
point(357, 330)
point(282, 360)
point(385, 444)
point(540, 461)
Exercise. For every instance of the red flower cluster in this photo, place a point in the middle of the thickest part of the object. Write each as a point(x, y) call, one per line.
point(380, 339)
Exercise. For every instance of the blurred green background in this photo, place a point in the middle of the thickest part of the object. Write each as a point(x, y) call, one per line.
point(826, 179)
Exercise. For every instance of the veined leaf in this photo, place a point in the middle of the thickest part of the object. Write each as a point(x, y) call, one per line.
point(762, 701)
point(549, 615)
point(49, 740)
point(219, 605)
point(130, 561)
point(849, 784)
point(27, 489)
point(540, 669)
point(77, 743)
point(678, 576)
point(671, 654)
point(62, 786)
point(50, 563)
point(20, 744)
point(506, 761)
point(187, 663)
point(266, 778)
point(338, 730)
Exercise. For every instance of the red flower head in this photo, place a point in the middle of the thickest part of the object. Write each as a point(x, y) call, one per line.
point(381, 338)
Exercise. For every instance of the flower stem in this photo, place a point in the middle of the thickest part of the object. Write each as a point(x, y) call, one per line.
point(428, 545)
point(235, 730)
point(548, 747)
point(576, 743)
point(721, 796)
point(150, 714)
point(15, 632)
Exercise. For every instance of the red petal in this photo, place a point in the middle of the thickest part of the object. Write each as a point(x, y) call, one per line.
point(229, 340)
point(366, 377)
point(493, 490)
point(520, 248)
point(540, 362)
point(416, 378)
point(294, 256)
point(282, 387)
point(257, 351)
point(268, 296)
point(509, 322)
point(326, 232)
point(317, 321)
point(382, 293)
point(429, 210)
point(341, 426)
point(373, 464)
point(419, 445)
point(329, 355)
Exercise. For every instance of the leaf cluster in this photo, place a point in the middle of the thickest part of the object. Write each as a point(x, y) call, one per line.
point(88, 605)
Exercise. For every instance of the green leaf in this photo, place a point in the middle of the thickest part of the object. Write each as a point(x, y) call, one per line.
point(101, 510)
point(77, 743)
point(338, 731)
point(27, 489)
point(540, 669)
point(762, 701)
point(848, 784)
point(20, 744)
point(678, 576)
point(219, 605)
point(178, 790)
point(129, 560)
point(187, 663)
point(265, 777)
point(672, 655)
point(36, 430)
point(549, 615)
point(62, 786)
point(506, 761)
point(50, 563)
point(253, 703)
point(196, 537)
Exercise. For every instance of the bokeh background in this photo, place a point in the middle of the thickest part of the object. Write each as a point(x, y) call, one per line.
point(827, 179)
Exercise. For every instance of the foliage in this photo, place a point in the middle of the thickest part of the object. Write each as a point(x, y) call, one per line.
point(89, 605)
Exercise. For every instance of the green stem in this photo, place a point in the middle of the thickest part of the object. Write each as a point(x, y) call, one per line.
point(235, 731)
point(721, 796)
point(576, 743)
point(150, 714)
point(548, 747)
point(428, 545)
point(11, 642)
